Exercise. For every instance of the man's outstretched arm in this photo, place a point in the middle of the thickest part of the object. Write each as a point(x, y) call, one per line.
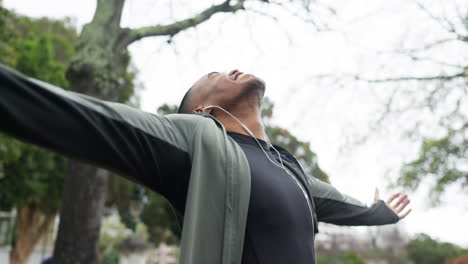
point(334, 207)
point(133, 143)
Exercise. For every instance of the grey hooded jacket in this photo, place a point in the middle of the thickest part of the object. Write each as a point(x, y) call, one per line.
point(189, 159)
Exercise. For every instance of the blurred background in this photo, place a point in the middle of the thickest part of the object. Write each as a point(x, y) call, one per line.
point(366, 93)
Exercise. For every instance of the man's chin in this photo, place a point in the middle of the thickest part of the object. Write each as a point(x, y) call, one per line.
point(258, 87)
point(255, 83)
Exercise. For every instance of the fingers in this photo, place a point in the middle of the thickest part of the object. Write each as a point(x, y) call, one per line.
point(402, 206)
point(393, 197)
point(377, 194)
point(405, 214)
point(402, 199)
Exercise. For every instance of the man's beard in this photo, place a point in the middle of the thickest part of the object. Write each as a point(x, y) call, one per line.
point(256, 87)
point(252, 94)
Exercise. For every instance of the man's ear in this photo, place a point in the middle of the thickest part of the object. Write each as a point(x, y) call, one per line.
point(200, 109)
point(197, 109)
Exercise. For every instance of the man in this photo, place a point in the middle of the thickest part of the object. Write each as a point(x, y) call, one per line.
point(243, 200)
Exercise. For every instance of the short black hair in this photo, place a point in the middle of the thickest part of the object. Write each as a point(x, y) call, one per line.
point(183, 104)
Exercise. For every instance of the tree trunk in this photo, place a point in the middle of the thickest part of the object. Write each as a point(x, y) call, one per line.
point(31, 225)
point(80, 219)
point(85, 186)
point(97, 71)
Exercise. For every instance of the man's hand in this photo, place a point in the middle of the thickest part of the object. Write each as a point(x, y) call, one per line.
point(398, 206)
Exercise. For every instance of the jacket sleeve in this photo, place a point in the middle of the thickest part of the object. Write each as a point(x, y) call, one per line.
point(133, 143)
point(333, 207)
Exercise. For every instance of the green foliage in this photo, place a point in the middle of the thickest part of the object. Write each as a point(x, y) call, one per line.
point(167, 109)
point(36, 177)
point(113, 231)
point(111, 256)
point(8, 54)
point(37, 59)
point(10, 150)
point(340, 257)
point(160, 218)
point(16, 31)
point(118, 194)
point(40, 48)
point(423, 249)
point(157, 215)
point(443, 160)
point(301, 150)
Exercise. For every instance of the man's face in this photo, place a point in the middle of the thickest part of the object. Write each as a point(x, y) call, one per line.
point(226, 89)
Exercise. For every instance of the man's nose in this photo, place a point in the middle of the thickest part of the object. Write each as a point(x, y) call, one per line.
point(232, 72)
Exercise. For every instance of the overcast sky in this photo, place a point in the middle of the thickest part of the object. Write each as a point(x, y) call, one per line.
point(287, 54)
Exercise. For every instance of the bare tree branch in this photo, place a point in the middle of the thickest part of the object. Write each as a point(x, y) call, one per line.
point(443, 22)
point(447, 26)
point(275, 19)
point(265, 14)
point(428, 46)
point(132, 35)
point(414, 78)
point(429, 59)
point(309, 20)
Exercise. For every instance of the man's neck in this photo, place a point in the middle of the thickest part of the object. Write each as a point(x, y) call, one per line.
point(251, 118)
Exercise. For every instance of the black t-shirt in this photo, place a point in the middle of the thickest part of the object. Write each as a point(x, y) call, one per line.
point(279, 222)
point(280, 228)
